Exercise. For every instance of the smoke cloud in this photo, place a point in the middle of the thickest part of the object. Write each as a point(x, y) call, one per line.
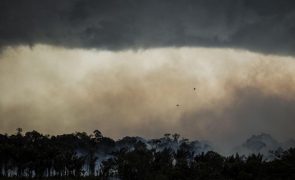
point(59, 90)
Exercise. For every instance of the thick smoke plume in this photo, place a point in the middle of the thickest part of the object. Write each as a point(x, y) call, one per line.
point(238, 93)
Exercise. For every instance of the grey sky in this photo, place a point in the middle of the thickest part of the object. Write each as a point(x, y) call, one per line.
point(266, 26)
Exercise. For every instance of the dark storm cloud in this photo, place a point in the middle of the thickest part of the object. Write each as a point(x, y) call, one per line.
point(261, 25)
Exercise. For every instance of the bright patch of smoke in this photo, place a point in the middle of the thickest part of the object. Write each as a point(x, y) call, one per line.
point(238, 93)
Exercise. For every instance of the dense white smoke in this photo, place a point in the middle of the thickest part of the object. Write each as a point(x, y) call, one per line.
point(58, 90)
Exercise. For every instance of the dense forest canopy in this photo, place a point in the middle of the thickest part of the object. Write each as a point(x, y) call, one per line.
point(78, 155)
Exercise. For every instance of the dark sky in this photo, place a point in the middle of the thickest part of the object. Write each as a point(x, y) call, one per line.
point(266, 26)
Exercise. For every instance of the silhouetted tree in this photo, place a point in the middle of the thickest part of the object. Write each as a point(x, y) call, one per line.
point(67, 156)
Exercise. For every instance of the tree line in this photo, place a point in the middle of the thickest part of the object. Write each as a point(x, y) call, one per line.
point(74, 156)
